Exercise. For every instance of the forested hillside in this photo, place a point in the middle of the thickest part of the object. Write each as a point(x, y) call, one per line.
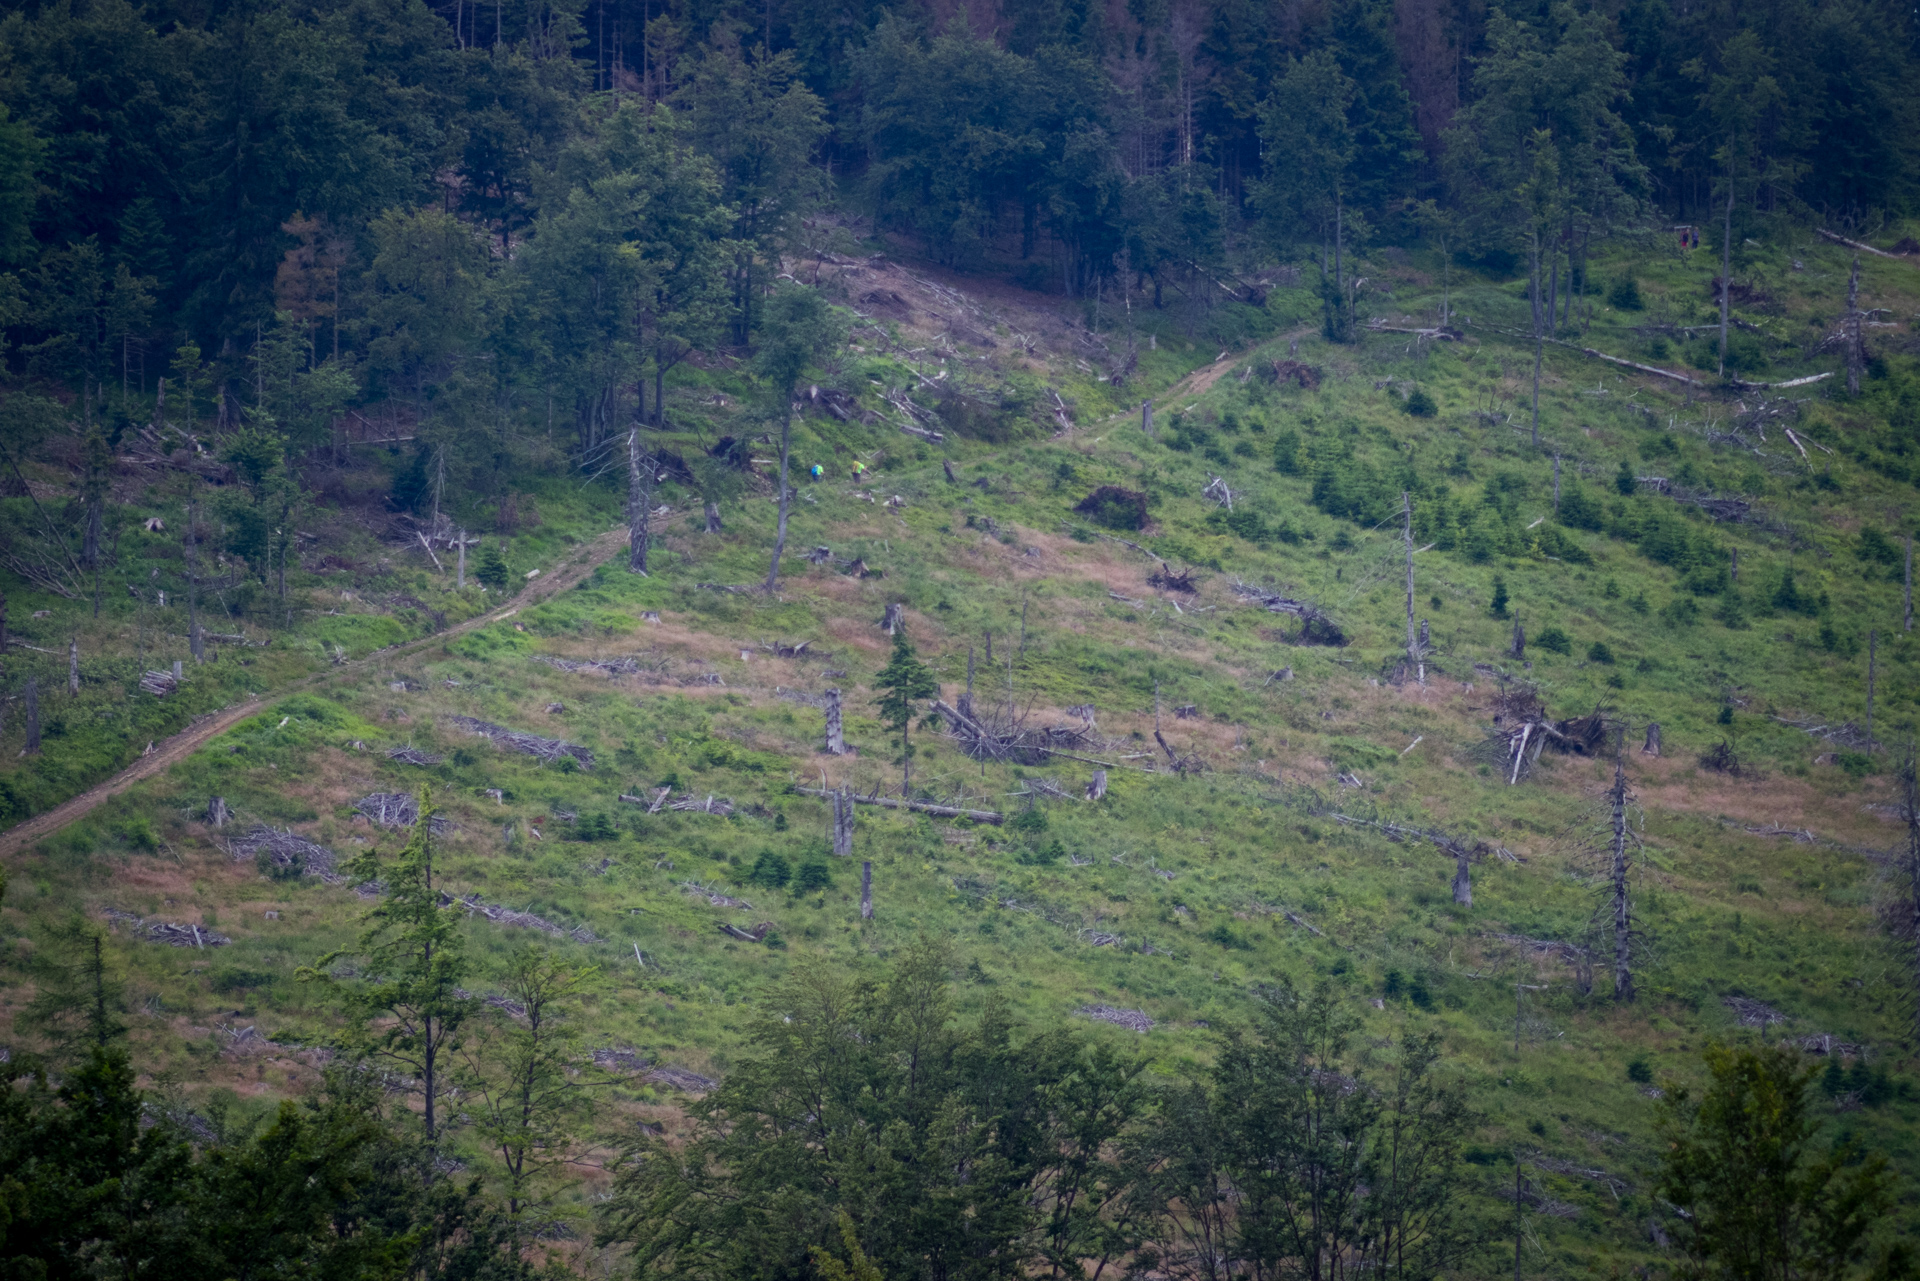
point(1171, 641)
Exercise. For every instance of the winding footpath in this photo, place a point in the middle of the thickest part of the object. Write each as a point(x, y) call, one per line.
point(584, 560)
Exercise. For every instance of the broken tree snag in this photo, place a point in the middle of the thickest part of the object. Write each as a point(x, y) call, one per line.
point(713, 518)
point(1519, 647)
point(1097, 788)
point(891, 623)
point(1622, 907)
point(843, 823)
point(866, 890)
point(1462, 879)
point(640, 473)
point(1853, 329)
point(836, 744)
point(1146, 417)
point(920, 807)
point(217, 814)
point(1653, 739)
point(946, 465)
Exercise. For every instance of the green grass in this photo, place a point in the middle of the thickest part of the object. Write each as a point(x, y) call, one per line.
point(1203, 870)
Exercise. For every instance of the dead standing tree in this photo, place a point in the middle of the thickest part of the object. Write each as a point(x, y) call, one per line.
point(1619, 869)
point(640, 475)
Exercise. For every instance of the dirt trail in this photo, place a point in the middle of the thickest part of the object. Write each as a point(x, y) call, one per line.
point(584, 561)
point(1202, 379)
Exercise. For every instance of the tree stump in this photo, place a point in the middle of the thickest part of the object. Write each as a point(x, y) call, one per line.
point(713, 518)
point(1462, 881)
point(1098, 787)
point(1653, 739)
point(217, 812)
point(1146, 417)
point(894, 619)
point(1519, 646)
point(946, 465)
point(836, 744)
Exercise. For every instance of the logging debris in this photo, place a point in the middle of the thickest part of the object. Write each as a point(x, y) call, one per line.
point(398, 809)
point(1316, 627)
point(546, 749)
point(1752, 1013)
point(503, 915)
point(1005, 736)
point(611, 667)
point(158, 684)
point(276, 849)
point(716, 898)
point(413, 756)
point(1133, 1020)
point(170, 933)
point(923, 807)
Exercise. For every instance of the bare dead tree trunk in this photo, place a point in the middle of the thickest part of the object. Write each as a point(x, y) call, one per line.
point(713, 518)
point(836, 744)
point(1653, 739)
point(1413, 635)
point(842, 802)
point(866, 890)
point(1146, 417)
point(1853, 329)
point(195, 645)
point(639, 503)
point(1910, 811)
point(1462, 879)
point(1622, 906)
point(891, 622)
point(1538, 344)
point(1872, 655)
point(946, 465)
point(1726, 276)
point(780, 536)
point(73, 665)
point(1097, 788)
point(460, 575)
point(217, 813)
point(1519, 647)
point(33, 715)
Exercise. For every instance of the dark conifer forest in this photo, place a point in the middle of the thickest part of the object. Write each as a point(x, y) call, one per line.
point(811, 640)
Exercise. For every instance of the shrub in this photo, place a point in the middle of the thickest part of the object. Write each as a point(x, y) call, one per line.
point(492, 570)
point(1286, 453)
point(1115, 508)
point(1555, 641)
point(1032, 821)
point(1579, 510)
point(813, 875)
point(1682, 612)
point(1500, 597)
point(1420, 405)
point(1600, 652)
point(1640, 1072)
point(770, 870)
point(1624, 294)
point(1624, 480)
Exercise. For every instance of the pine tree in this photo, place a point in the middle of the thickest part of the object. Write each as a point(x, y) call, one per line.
point(904, 682)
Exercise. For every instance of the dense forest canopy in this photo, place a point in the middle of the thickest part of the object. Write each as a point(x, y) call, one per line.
point(502, 217)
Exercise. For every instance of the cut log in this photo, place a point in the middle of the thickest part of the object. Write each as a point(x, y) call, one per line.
point(919, 807)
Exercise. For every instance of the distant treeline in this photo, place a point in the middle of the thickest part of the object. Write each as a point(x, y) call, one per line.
point(507, 217)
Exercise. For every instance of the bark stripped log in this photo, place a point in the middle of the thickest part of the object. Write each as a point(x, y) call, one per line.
point(922, 807)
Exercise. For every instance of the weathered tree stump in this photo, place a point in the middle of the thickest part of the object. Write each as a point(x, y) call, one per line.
point(894, 619)
point(1098, 787)
point(217, 812)
point(836, 743)
point(1653, 739)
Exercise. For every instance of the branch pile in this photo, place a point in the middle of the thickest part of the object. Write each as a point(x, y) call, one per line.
point(712, 805)
point(610, 666)
point(1316, 627)
point(397, 809)
point(1006, 737)
point(546, 749)
point(413, 756)
point(283, 849)
point(168, 932)
point(1133, 1020)
point(158, 684)
point(502, 915)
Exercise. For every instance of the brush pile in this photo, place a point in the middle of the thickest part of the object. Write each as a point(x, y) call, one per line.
point(502, 915)
point(1316, 628)
point(1133, 1020)
point(994, 736)
point(413, 756)
point(711, 805)
point(546, 749)
point(397, 809)
point(158, 684)
point(1522, 729)
point(169, 933)
point(279, 850)
point(611, 667)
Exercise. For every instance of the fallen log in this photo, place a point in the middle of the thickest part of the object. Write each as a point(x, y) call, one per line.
point(922, 807)
point(1824, 234)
